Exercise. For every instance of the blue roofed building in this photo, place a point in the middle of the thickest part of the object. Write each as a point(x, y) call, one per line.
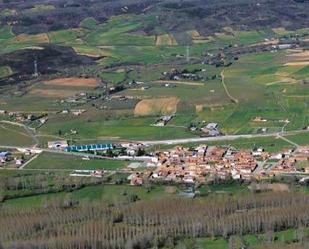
point(4, 154)
point(90, 147)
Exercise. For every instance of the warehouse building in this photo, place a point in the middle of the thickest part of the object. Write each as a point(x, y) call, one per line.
point(91, 147)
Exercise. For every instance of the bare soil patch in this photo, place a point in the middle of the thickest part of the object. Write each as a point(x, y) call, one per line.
point(43, 38)
point(297, 57)
point(52, 93)
point(91, 82)
point(297, 63)
point(199, 108)
point(158, 105)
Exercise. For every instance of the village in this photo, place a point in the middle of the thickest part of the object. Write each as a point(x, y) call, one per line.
point(204, 164)
point(188, 165)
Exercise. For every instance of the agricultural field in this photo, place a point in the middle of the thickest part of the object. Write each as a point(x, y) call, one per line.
point(91, 72)
point(107, 194)
point(53, 161)
point(12, 135)
point(92, 125)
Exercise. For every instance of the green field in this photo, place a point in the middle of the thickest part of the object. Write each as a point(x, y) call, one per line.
point(94, 126)
point(67, 162)
point(12, 135)
point(106, 194)
point(260, 82)
point(259, 241)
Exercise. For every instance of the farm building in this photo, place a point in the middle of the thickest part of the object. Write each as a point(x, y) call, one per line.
point(212, 129)
point(57, 144)
point(91, 147)
point(3, 156)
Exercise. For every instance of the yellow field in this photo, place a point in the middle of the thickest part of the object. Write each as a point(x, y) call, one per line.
point(166, 40)
point(24, 38)
point(91, 82)
point(92, 52)
point(297, 63)
point(197, 37)
point(156, 106)
point(297, 57)
point(52, 93)
point(281, 31)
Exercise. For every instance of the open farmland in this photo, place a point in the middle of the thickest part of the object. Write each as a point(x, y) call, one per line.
point(166, 40)
point(156, 106)
point(12, 135)
point(207, 101)
point(50, 161)
point(52, 93)
point(72, 82)
point(274, 88)
point(96, 127)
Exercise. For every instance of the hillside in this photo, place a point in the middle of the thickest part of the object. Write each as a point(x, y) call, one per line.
point(205, 16)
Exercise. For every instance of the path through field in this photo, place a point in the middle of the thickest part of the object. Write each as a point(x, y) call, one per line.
point(233, 99)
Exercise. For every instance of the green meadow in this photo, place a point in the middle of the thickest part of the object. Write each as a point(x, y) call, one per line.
point(12, 135)
point(56, 161)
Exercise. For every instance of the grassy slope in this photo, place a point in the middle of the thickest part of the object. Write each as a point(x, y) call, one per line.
point(11, 135)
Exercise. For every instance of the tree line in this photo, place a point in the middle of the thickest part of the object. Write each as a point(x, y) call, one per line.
point(150, 224)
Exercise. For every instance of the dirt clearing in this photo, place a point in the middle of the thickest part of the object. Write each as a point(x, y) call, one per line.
point(297, 63)
point(91, 82)
point(53, 93)
point(41, 38)
point(156, 106)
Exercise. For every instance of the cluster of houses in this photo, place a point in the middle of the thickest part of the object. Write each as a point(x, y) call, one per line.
point(7, 157)
point(76, 112)
point(25, 117)
point(211, 129)
point(81, 98)
point(208, 130)
point(204, 163)
point(291, 161)
point(175, 74)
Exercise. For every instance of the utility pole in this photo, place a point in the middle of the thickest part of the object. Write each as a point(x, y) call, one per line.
point(36, 73)
point(188, 54)
point(106, 91)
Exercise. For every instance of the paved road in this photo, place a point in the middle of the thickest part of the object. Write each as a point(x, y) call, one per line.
point(179, 141)
point(28, 162)
point(289, 141)
point(220, 138)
